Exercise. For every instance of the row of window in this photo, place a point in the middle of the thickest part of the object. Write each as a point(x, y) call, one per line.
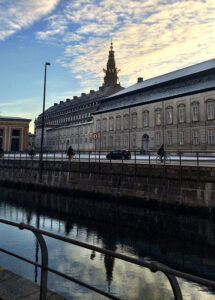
point(124, 141)
point(131, 122)
point(69, 110)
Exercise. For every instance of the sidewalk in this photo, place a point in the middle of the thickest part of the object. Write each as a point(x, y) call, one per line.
point(13, 286)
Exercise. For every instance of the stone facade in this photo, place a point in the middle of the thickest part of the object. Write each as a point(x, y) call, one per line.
point(14, 133)
point(184, 123)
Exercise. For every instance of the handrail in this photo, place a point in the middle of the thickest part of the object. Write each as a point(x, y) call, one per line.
point(153, 266)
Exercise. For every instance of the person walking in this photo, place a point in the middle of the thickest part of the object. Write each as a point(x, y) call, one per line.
point(161, 152)
point(1, 151)
point(70, 152)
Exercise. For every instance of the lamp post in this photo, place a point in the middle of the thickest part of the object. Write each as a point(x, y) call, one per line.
point(43, 123)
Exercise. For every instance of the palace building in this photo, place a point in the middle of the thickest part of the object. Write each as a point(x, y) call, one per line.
point(14, 133)
point(176, 109)
point(73, 112)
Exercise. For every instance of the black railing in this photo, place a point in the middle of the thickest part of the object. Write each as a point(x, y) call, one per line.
point(151, 157)
point(171, 274)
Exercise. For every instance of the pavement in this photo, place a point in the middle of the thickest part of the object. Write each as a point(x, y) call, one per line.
point(14, 287)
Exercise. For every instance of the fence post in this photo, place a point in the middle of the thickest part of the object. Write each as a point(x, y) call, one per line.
point(44, 259)
point(197, 162)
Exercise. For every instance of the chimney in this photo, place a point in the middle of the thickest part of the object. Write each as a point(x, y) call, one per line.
point(67, 100)
point(101, 88)
point(75, 97)
point(61, 102)
point(55, 104)
point(83, 94)
point(92, 91)
point(139, 79)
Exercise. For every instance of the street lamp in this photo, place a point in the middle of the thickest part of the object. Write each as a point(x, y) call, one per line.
point(43, 123)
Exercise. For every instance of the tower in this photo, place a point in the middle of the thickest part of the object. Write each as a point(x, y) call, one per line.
point(111, 78)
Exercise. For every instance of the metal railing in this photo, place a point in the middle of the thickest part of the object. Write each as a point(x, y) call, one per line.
point(171, 274)
point(150, 157)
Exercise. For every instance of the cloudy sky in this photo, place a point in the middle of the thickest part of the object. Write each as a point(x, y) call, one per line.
point(151, 37)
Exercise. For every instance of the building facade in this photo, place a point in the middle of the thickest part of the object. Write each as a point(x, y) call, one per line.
point(14, 133)
point(76, 111)
point(176, 109)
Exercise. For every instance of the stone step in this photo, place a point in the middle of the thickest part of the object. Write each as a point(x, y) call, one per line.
point(14, 287)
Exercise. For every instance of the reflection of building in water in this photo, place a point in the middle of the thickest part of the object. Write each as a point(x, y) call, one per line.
point(109, 243)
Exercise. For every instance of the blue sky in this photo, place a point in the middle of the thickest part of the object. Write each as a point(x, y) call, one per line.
point(151, 37)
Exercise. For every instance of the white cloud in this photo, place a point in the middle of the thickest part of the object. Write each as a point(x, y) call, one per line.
point(14, 17)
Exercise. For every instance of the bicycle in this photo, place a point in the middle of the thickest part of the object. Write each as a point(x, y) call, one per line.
point(166, 159)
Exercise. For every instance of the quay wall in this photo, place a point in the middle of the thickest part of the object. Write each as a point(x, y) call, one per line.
point(149, 185)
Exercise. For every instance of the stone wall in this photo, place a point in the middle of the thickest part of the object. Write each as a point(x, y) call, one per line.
point(154, 185)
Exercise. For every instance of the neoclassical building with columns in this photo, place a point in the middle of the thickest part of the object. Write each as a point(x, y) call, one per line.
point(176, 109)
point(14, 133)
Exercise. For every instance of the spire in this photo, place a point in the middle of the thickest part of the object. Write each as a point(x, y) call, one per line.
point(111, 78)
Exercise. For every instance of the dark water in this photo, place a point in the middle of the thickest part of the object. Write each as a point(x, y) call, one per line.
point(181, 242)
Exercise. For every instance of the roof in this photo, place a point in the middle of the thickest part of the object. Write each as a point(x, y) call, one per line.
point(191, 81)
point(16, 119)
point(188, 71)
point(103, 92)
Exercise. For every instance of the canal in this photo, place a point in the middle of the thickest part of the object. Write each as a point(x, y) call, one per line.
point(182, 242)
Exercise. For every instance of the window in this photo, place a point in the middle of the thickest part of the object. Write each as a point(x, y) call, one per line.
point(169, 138)
point(158, 117)
point(110, 141)
point(134, 120)
point(98, 125)
point(104, 141)
point(211, 138)
point(181, 114)
point(169, 115)
point(195, 137)
point(111, 123)
point(104, 125)
point(158, 138)
point(210, 110)
point(195, 112)
point(134, 141)
point(118, 122)
point(126, 121)
point(1, 137)
point(126, 141)
point(181, 137)
point(145, 118)
point(117, 141)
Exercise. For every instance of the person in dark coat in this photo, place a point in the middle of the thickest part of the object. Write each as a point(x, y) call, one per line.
point(70, 152)
point(161, 152)
point(1, 151)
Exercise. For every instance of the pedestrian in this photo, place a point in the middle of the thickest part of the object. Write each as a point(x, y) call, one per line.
point(161, 152)
point(31, 151)
point(70, 152)
point(1, 151)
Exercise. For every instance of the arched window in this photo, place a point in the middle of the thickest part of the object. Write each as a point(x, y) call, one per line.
point(145, 118)
point(158, 116)
point(118, 123)
point(134, 120)
point(181, 113)
point(195, 111)
point(210, 104)
point(126, 121)
point(169, 115)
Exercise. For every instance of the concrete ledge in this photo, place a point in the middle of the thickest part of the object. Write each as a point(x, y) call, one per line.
point(14, 287)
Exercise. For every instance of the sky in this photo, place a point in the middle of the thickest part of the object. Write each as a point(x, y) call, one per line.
point(150, 38)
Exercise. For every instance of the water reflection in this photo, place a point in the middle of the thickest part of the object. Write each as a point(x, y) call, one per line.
point(183, 243)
